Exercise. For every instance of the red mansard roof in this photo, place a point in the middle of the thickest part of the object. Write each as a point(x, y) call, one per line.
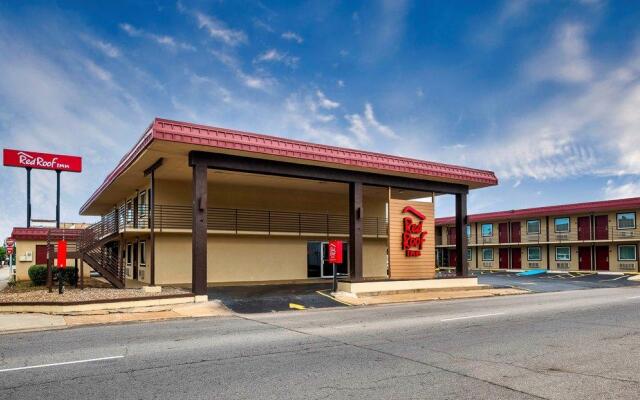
point(564, 209)
point(41, 233)
point(227, 139)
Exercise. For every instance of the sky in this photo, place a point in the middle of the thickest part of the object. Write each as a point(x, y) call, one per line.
point(544, 93)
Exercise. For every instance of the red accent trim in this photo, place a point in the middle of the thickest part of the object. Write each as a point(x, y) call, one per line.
point(414, 212)
point(577, 208)
point(227, 139)
point(41, 233)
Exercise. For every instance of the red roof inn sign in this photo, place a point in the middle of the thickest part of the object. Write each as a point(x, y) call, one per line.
point(412, 234)
point(31, 159)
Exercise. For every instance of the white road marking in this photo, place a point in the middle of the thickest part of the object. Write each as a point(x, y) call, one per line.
point(471, 316)
point(61, 363)
point(634, 297)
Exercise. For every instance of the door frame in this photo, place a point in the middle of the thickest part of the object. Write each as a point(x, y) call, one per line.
point(500, 250)
point(608, 261)
point(584, 248)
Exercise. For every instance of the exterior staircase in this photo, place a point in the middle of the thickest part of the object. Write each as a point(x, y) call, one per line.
point(104, 260)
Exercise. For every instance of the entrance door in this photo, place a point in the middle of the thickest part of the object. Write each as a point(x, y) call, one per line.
point(515, 232)
point(584, 258)
point(135, 260)
point(503, 232)
point(503, 258)
point(584, 228)
point(516, 258)
point(602, 258)
point(602, 229)
point(41, 254)
point(453, 258)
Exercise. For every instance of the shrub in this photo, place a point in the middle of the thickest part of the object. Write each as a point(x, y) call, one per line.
point(70, 276)
point(38, 274)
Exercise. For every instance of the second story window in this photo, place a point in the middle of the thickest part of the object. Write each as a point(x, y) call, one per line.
point(533, 227)
point(142, 204)
point(562, 224)
point(626, 220)
point(129, 211)
point(468, 231)
point(487, 230)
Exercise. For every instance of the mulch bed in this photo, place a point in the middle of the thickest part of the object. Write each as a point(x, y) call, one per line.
point(89, 294)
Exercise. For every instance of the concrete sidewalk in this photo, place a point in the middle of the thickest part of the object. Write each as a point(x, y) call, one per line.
point(26, 322)
point(426, 296)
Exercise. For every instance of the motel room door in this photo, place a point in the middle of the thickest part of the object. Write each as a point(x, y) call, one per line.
point(503, 232)
point(515, 232)
point(584, 258)
point(602, 229)
point(602, 258)
point(584, 228)
point(516, 258)
point(453, 258)
point(503, 258)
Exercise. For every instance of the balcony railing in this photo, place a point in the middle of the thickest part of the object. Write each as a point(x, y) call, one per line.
point(239, 221)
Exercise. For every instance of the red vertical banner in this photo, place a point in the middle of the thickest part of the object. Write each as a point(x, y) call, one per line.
point(62, 254)
point(335, 252)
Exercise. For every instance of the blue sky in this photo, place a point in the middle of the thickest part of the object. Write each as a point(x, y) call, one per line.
point(545, 93)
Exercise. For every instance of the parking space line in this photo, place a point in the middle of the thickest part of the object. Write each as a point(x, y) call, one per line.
point(634, 297)
point(61, 363)
point(470, 317)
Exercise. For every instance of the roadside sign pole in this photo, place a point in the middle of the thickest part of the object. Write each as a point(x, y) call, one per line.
point(28, 197)
point(58, 199)
point(335, 278)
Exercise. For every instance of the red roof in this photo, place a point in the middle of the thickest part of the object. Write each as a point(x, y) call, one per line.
point(564, 209)
point(41, 233)
point(221, 138)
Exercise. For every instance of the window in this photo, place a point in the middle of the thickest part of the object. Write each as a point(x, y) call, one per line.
point(487, 254)
point(562, 224)
point(468, 231)
point(563, 254)
point(129, 211)
point(627, 252)
point(129, 253)
point(487, 230)
point(468, 254)
point(142, 204)
point(534, 254)
point(533, 227)
point(142, 254)
point(626, 220)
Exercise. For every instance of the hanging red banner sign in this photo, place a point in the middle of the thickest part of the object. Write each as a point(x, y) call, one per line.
point(62, 254)
point(32, 159)
point(412, 234)
point(335, 252)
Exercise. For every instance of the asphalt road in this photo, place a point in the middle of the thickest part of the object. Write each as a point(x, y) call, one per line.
point(554, 282)
point(582, 344)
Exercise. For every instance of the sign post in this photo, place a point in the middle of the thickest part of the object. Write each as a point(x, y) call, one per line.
point(335, 257)
point(10, 246)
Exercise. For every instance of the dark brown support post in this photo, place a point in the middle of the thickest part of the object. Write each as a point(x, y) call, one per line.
point(151, 217)
point(152, 229)
point(355, 230)
point(81, 273)
point(462, 267)
point(548, 246)
point(75, 265)
point(199, 230)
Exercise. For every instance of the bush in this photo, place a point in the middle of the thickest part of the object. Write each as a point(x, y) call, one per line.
point(70, 276)
point(38, 274)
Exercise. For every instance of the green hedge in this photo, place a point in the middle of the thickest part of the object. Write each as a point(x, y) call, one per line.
point(38, 275)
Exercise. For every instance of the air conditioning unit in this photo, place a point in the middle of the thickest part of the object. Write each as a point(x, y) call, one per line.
point(625, 234)
point(627, 267)
point(534, 265)
point(562, 236)
point(487, 264)
point(563, 265)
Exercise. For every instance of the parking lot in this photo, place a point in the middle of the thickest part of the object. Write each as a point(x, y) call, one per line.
point(555, 282)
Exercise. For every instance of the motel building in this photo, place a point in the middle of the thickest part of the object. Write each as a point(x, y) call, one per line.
point(202, 206)
point(595, 236)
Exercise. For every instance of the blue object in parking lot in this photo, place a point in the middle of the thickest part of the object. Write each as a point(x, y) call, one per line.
point(532, 272)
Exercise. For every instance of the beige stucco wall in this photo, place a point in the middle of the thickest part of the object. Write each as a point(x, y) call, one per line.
point(22, 267)
point(250, 258)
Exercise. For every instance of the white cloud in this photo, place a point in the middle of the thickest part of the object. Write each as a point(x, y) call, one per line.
point(325, 102)
point(273, 55)
point(622, 191)
point(254, 81)
point(292, 36)
point(362, 126)
point(219, 31)
point(340, 83)
point(163, 40)
point(106, 48)
point(97, 71)
point(565, 60)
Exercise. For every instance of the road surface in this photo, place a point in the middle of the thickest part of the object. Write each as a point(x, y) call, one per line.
point(564, 345)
